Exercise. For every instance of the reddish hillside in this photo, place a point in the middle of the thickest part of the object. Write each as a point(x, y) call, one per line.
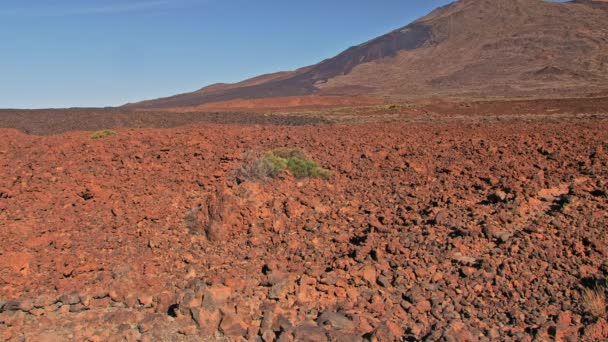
point(469, 48)
point(292, 103)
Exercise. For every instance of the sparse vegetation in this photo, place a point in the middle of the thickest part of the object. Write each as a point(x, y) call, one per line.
point(273, 162)
point(595, 301)
point(102, 133)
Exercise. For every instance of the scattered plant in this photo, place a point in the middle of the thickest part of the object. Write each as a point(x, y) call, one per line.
point(275, 161)
point(595, 301)
point(103, 133)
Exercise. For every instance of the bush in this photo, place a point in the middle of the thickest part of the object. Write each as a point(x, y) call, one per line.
point(101, 134)
point(272, 163)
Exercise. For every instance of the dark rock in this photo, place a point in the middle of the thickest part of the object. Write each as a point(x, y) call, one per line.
point(309, 332)
point(383, 281)
point(441, 218)
point(336, 320)
point(11, 305)
point(69, 299)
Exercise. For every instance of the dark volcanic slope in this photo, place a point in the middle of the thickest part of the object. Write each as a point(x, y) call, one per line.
point(55, 121)
point(471, 47)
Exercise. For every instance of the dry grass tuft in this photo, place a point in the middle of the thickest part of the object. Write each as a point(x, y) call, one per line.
point(595, 301)
point(102, 134)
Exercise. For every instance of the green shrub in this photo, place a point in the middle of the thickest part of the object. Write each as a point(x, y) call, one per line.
point(275, 164)
point(101, 134)
point(319, 172)
point(277, 160)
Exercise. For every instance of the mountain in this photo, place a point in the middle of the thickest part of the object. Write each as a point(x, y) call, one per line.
point(470, 48)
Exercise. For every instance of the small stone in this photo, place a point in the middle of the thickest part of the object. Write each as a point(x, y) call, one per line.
point(11, 305)
point(458, 331)
point(490, 231)
point(387, 331)
point(369, 274)
point(500, 195)
point(383, 281)
point(441, 218)
point(115, 296)
point(44, 301)
point(423, 306)
point(69, 299)
point(85, 299)
point(416, 329)
point(268, 336)
point(131, 301)
point(463, 259)
point(503, 237)
point(190, 300)
point(467, 271)
point(279, 290)
point(77, 307)
point(188, 258)
point(146, 300)
point(132, 335)
point(26, 305)
point(188, 330)
point(163, 301)
point(207, 321)
point(232, 326)
point(494, 334)
point(149, 322)
point(309, 332)
point(215, 296)
point(335, 320)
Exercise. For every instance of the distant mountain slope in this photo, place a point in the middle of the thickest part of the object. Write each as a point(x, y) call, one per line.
point(468, 48)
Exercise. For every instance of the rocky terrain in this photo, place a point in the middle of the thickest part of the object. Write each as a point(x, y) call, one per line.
point(432, 227)
point(469, 48)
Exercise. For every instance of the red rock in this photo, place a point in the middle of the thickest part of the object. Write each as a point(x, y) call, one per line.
point(163, 301)
point(423, 306)
point(233, 326)
point(458, 331)
point(369, 274)
point(207, 321)
point(146, 300)
point(387, 331)
point(17, 262)
point(215, 296)
point(149, 322)
point(188, 330)
point(336, 320)
point(309, 332)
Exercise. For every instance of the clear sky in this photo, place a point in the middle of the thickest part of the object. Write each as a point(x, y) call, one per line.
point(85, 53)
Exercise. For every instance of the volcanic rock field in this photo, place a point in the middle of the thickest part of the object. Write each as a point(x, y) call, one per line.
point(462, 228)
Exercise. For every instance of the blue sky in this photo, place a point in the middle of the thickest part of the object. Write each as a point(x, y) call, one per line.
point(68, 53)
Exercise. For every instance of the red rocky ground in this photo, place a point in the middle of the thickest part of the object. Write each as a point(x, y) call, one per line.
point(459, 229)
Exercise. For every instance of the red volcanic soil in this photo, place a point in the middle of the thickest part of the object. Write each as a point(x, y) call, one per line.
point(461, 228)
point(290, 103)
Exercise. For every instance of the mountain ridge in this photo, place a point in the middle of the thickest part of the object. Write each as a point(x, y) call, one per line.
point(511, 48)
